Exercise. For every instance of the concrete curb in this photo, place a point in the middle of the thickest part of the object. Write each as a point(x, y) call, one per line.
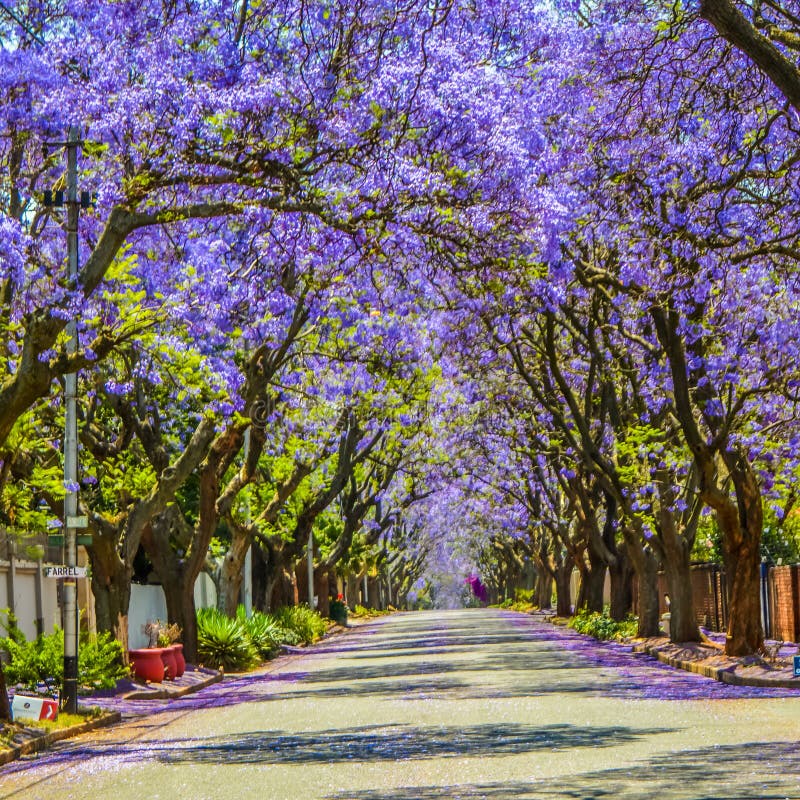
point(726, 674)
point(167, 692)
point(39, 743)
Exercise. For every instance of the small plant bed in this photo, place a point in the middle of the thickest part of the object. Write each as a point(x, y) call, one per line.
point(27, 736)
point(522, 602)
point(361, 612)
point(38, 665)
point(237, 644)
point(522, 606)
point(601, 626)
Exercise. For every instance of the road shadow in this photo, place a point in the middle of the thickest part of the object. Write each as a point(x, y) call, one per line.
point(752, 771)
point(407, 689)
point(394, 743)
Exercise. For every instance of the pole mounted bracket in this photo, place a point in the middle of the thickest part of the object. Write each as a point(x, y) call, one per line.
point(55, 199)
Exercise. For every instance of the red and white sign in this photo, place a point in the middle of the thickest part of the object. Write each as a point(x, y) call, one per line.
point(23, 707)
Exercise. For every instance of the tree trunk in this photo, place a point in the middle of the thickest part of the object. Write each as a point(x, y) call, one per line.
point(111, 587)
point(321, 591)
point(621, 573)
point(544, 590)
point(181, 611)
point(232, 572)
point(373, 593)
point(647, 574)
point(351, 589)
point(677, 570)
point(741, 550)
point(5, 706)
point(563, 590)
point(593, 579)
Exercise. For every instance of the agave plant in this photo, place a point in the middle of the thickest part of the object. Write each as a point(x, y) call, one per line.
point(224, 641)
point(263, 630)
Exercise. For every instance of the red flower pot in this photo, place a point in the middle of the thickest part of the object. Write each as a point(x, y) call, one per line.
point(179, 659)
point(170, 663)
point(147, 664)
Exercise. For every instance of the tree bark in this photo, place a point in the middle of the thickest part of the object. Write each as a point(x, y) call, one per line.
point(683, 625)
point(5, 706)
point(563, 588)
point(231, 574)
point(648, 601)
point(741, 551)
point(732, 25)
point(621, 573)
point(593, 582)
point(544, 590)
point(111, 587)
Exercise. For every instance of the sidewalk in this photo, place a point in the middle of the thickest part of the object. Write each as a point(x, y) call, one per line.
point(113, 704)
point(131, 698)
point(709, 659)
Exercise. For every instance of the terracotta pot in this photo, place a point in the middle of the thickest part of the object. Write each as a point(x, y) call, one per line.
point(179, 659)
point(147, 664)
point(170, 663)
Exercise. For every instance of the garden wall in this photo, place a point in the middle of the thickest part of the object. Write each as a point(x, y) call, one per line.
point(784, 602)
point(780, 599)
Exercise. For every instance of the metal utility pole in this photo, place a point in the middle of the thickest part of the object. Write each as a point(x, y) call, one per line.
point(70, 700)
point(310, 557)
point(246, 594)
point(74, 203)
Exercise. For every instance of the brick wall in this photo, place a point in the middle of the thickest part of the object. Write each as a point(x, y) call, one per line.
point(784, 598)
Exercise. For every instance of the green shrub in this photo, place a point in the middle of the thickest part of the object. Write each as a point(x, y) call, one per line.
point(362, 611)
point(223, 641)
point(100, 663)
point(338, 611)
point(307, 624)
point(601, 626)
point(264, 632)
point(524, 596)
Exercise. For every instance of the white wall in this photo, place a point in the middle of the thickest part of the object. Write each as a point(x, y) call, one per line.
point(149, 604)
point(25, 597)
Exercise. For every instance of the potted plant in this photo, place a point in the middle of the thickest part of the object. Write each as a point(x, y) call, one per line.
point(147, 662)
point(168, 639)
point(338, 610)
point(163, 656)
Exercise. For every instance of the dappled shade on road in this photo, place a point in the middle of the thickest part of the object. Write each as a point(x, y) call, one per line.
point(702, 774)
point(397, 743)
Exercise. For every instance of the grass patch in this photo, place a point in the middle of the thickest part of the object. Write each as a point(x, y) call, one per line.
point(10, 729)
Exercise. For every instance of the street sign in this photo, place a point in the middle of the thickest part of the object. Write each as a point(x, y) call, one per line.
point(78, 522)
point(797, 666)
point(23, 707)
point(66, 572)
point(57, 539)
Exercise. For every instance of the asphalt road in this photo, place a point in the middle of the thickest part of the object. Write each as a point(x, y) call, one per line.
point(440, 705)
